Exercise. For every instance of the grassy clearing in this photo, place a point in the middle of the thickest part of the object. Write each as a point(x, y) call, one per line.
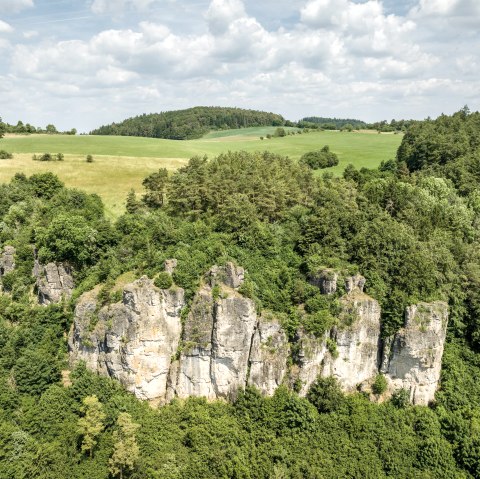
point(121, 163)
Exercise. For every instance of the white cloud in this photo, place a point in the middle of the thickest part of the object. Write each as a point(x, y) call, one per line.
point(221, 14)
point(5, 27)
point(14, 6)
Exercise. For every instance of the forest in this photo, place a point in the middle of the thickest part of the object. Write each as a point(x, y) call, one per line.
point(411, 227)
point(189, 124)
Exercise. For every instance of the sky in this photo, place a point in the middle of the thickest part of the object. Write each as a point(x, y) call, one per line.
point(82, 64)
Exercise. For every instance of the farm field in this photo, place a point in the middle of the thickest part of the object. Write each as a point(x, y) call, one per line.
point(121, 163)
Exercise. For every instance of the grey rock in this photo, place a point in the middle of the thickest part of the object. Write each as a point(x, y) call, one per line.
point(229, 275)
point(357, 342)
point(325, 280)
point(7, 260)
point(268, 357)
point(216, 345)
point(170, 265)
point(132, 341)
point(54, 282)
point(354, 283)
point(417, 349)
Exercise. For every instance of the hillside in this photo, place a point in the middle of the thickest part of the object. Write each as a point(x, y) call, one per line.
point(121, 163)
point(190, 123)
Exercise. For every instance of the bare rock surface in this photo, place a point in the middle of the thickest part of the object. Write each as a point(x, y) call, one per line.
point(326, 280)
point(7, 260)
point(132, 341)
point(54, 282)
point(415, 357)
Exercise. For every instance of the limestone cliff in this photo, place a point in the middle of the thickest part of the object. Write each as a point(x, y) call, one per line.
point(414, 357)
point(54, 282)
point(132, 341)
point(223, 345)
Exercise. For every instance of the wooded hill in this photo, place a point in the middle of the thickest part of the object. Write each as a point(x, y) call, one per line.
point(189, 124)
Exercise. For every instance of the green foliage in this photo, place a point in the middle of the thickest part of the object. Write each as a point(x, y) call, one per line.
point(89, 158)
point(5, 155)
point(325, 394)
point(190, 123)
point(125, 448)
point(163, 280)
point(323, 158)
point(379, 385)
point(34, 372)
point(91, 424)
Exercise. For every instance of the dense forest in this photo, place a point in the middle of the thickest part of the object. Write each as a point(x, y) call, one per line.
point(411, 227)
point(25, 128)
point(189, 124)
point(331, 123)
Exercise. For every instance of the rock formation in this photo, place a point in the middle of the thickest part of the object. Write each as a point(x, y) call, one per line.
point(54, 282)
point(413, 359)
point(325, 280)
point(134, 340)
point(224, 345)
point(7, 260)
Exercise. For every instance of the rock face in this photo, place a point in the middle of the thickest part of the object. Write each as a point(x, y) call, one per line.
point(268, 358)
point(7, 260)
point(325, 280)
point(132, 341)
point(224, 345)
point(54, 282)
point(414, 359)
point(349, 351)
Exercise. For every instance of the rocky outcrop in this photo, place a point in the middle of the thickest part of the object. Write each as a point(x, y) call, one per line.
point(54, 282)
point(132, 341)
point(412, 360)
point(325, 280)
point(216, 345)
point(349, 351)
point(7, 260)
point(170, 265)
point(223, 345)
point(269, 356)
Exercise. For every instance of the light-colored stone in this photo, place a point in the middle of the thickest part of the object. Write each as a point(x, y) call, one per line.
point(170, 265)
point(325, 280)
point(7, 260)
point(356, 340)
point(416, 355)
point(354, 283)
point(229, 275)
point(132, 341)
point(54, 282)
point(268, 357)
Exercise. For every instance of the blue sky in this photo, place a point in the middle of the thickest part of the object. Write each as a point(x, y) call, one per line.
point(85, 63)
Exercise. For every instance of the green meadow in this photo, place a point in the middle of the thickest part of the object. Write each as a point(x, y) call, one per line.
point(121, 163)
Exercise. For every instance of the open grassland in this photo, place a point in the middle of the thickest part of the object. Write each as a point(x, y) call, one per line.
point(121, 163)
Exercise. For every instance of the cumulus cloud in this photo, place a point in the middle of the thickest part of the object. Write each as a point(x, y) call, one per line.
point(221, 14)
point(14, 6)
point(5, 27)
point(332, 57)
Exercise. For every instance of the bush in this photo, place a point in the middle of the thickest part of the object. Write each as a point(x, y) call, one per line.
point(323, 158)
point(280, 132)
point(379, 386)
point(5, 155)
point(59, 157)
point(89, 159)
point(163, 280)
point(325, 394)
point(401, 398)
point(34, 372)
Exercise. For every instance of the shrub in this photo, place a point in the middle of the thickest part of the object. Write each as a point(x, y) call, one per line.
point(325, 394)
point(89, 159)
point(323, 158)
point(280, 132)
point(163, 280)
point(5, 155)
point(379, 386)
point(401, 398)
point(59, 157)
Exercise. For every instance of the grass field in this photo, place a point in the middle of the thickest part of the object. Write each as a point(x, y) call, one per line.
point(121, 163)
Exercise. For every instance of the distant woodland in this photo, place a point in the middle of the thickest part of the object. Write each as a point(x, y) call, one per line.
point(189, 124)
